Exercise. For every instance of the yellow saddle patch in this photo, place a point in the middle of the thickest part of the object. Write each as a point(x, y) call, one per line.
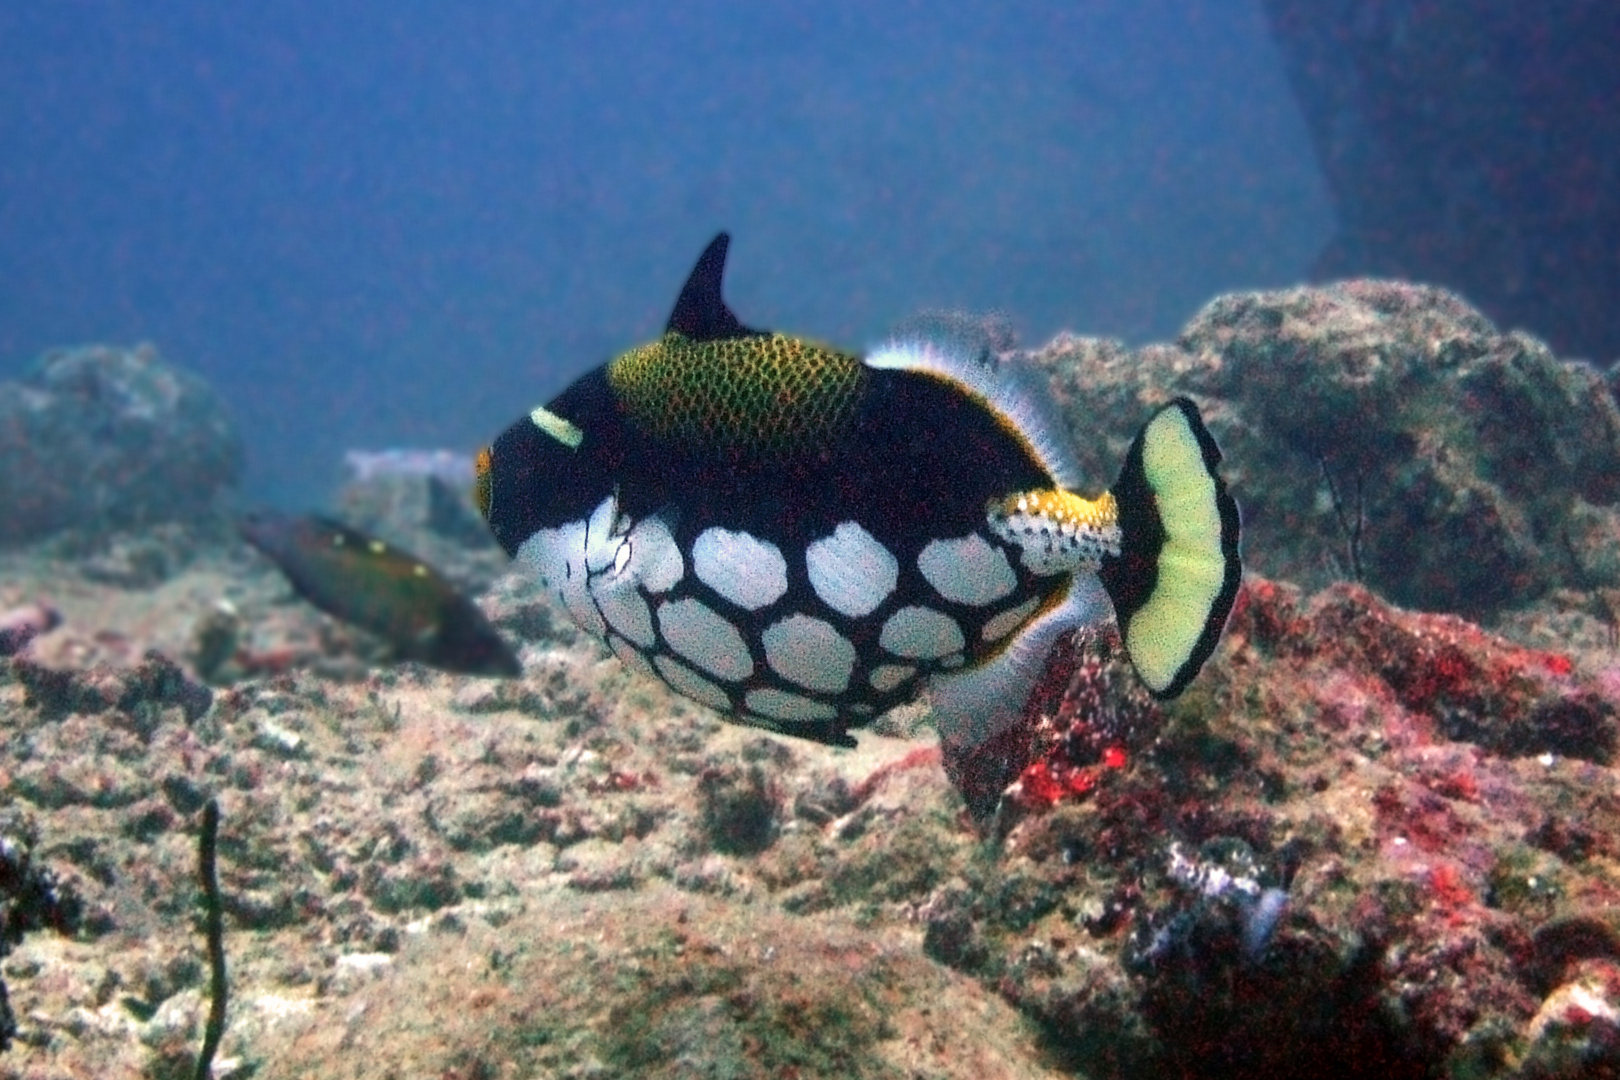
point(766, 395)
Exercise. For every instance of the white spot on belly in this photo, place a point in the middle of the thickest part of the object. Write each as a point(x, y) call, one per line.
point(683, 680)
point(602, 539)
point(706, 639)
point(740, 567)
point(1001, 625)
point(630, 656)
point(785, 706)
point(627, 612)
point(646, 557)
point(809, 652)
point(557, 557)
point(851, 571)
point(886, 677)
point(655, 557)
point(920, 633)
point(967, 570)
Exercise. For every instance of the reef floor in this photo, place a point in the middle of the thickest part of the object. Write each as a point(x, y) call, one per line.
point(1369, 841)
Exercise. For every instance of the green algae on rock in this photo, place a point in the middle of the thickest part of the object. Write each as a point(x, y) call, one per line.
point(99, 437)
point(1461, 452)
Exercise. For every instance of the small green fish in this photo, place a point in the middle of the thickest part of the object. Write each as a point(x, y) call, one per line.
point(391, 593)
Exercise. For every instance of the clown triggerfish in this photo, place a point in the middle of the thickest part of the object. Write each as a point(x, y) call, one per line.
point(802, 538)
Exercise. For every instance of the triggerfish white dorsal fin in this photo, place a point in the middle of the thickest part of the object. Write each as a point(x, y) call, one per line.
point(1012, 390)
point(1177, 573)
point(700, 311)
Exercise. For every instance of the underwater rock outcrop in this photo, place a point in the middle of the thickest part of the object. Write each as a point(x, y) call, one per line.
point(1383, 432)
point(1369, 841)
point(404, 493)
point(100, 437)
point(1470, 144)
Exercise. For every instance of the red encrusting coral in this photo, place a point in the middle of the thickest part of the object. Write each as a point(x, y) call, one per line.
point(1082, 720)
point(1415, 796)
point(1446, 679)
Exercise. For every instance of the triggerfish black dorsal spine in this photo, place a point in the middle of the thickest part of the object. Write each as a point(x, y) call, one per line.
point(803, 537)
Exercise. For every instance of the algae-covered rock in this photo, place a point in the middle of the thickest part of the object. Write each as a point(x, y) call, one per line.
point(1379, 431)
point(100, 437)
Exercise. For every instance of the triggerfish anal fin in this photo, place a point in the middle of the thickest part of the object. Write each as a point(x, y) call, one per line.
point(1178, 571)
point(383, 590)
point(700, 311)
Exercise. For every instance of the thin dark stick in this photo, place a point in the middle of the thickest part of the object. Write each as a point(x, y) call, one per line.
point(1352, 531)
point(214, 928)
point(1355, 535)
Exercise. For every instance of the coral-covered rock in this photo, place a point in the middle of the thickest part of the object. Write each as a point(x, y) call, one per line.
point(1414, 678)
point(32, 897)
point(100, 437)
point(1576, 1032)
point(1382, 432)
point(1366, 838)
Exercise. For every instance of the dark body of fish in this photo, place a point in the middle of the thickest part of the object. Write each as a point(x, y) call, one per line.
point(383, 590)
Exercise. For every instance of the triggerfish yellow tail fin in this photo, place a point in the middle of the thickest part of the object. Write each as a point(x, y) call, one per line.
point(1177, 571)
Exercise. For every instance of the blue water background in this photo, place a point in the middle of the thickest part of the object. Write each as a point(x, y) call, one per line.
point(403, 223)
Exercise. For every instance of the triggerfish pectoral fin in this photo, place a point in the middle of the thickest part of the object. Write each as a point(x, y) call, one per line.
point(1178, 570)
point(979, 711)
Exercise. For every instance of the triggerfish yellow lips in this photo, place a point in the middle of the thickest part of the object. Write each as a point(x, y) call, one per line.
point(802, 537)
